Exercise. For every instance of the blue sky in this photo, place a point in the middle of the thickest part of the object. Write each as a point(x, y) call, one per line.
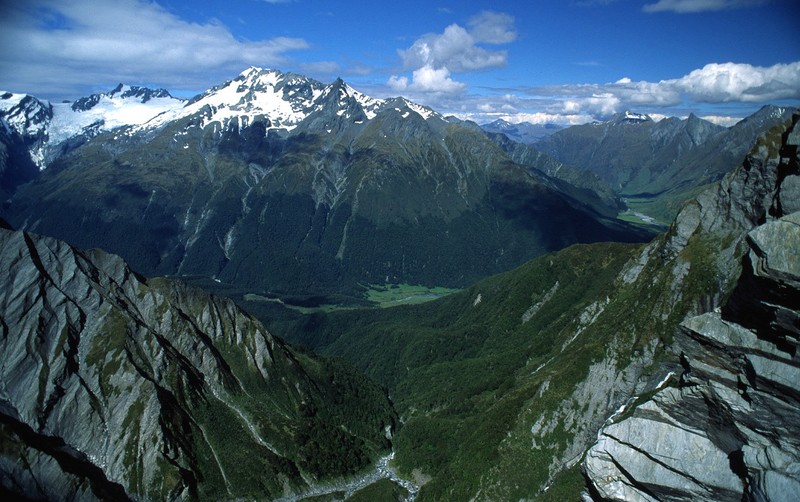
point(564, 61)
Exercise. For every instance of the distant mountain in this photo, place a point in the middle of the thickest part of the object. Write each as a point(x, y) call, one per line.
point(117, 387)
point(50, 130)
point(587, 187)
point(276, 182)
point(656, 166)
point(504, 386)
point(523, 132)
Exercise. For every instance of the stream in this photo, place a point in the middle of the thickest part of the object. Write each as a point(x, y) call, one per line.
point(350, 486)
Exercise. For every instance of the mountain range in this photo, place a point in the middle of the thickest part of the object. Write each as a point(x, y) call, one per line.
point(278, 183)
point(681, 353)
point(605, 368)
point(117, 387)
point(656, 166)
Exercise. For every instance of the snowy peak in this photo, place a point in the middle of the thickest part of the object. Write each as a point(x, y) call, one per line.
point(24, 114)
point(51, 124)
point(284, 99)
point(30, 119)
point(123, 106)
point(132, 93)
point(628, 117)
point(406, 107)
point(343, 101)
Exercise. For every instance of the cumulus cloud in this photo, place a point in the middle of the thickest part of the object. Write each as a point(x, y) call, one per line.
point(427, 79)
point(548, 118)
point(433, 57)
point(712, 89)
point(712, 84)
point(727, 82)
point(63, 44)
point(692, 6)
point(455, 49)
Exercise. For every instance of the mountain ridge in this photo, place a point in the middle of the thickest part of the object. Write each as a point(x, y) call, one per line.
point(342, 183)
point(116, 386)
point(512, 378)
point(656, 166)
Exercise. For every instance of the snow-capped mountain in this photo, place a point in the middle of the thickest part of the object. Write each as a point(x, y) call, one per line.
point(46, 125)
point(277, 181)
point(124, 106)
point(632, 118)
point(284, 100)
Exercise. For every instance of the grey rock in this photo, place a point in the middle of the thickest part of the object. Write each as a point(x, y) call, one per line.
point(790, 194)
point(730, 429)
point(115, 386)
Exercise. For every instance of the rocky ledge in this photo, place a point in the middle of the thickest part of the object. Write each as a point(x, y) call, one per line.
point(729, 427)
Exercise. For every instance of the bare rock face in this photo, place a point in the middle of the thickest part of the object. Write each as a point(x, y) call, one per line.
point(730, 430)
point(729, 427)
point(113, 386)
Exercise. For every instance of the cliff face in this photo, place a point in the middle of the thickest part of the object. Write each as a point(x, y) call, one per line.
point(727, 427)
point(113, 386)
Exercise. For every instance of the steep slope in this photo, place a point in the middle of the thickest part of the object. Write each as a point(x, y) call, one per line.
point(503, 387)
point(727, 428)
point(657, 166)
point(276, 182)
point(115, 387)
point(22, 140)
point(582, 185)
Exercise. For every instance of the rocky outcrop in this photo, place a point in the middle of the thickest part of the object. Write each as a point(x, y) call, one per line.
point(113, 386)
point(728, 428)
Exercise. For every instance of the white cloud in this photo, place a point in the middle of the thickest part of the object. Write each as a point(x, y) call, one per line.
point(597, 104)
point(397, 83)
point(454, 49)
point(433, 57)
point(714, 83)
point(728, 82)
point(722, 120)
point(692, 6)
point(427, 79)
point(125, 40)
point(548, 118)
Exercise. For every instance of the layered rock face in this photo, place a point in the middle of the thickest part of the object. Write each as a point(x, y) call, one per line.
point(728, 428)
point(116, 387)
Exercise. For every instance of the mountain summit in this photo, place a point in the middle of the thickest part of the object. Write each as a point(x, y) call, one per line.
point(284, 100)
